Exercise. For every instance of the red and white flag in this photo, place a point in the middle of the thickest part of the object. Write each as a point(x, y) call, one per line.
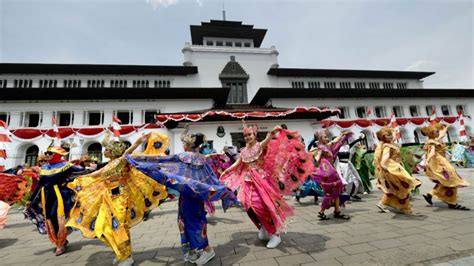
point(394, 125)
point(3, 144)
point(368, 111)
point(462, 129)
point(432, 118)
point(116, 127)
point(57, 136)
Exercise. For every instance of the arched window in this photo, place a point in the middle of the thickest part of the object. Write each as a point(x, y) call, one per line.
point(31, 155)
point(95, 150)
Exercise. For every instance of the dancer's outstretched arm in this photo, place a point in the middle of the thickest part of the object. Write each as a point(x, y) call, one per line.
point(232, 167)
point(265, 142)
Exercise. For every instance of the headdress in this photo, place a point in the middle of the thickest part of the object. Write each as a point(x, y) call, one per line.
point(430, 130)
point(57, 150)
point(187, 138)
point(116, 147)
point(383, 131)
point(249, 129)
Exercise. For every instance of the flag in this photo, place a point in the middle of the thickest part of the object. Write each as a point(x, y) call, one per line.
point(368, 111)
point(3, 147)
point(57, 136)
point(462, 130)
point(394, 125)
point(116, 127)
point(432, 118)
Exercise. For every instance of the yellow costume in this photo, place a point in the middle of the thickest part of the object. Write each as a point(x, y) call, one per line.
point(440, 171)
point(109, 204)
point(395, 182)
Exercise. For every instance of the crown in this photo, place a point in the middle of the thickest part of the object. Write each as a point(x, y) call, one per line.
point(249, 129)
point(117, 147)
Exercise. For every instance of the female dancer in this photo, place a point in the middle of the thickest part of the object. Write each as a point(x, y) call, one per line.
point(440, 170)
point(347, 171)
point(326, 175)
point(55, 198)
point(190, 174)
point(392, 178)
point(364, 166)
point(113, 199)
point(265, 172)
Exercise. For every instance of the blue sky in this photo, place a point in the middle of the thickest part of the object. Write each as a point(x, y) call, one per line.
point(418, 35)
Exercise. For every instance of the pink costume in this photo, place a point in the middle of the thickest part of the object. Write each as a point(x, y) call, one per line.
point(326, 175)
point(265, 175)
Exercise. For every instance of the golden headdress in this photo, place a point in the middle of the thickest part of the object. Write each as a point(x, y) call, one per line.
point(116, 147)
point(383, 131)
point(432, 130)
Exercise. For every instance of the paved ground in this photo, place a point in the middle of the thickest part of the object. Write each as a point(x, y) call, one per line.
point(441, 236)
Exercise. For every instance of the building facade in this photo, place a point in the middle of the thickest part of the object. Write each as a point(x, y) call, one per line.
point(224, 68)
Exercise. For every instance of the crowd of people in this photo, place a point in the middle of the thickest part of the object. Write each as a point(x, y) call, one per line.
point(104, 200)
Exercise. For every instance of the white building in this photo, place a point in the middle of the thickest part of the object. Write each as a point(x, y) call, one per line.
point(224, 68)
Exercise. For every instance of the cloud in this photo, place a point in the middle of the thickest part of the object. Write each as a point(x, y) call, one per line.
point(165, 3)
point(423, 65)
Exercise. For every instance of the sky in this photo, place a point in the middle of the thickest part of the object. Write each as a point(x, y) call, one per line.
point(414, 35)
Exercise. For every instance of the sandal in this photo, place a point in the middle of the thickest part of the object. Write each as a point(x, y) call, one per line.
point(60, 250)
point(382, 208)
point(339, 215)
point(428, 199)
point(322, 216)
point(458, 207)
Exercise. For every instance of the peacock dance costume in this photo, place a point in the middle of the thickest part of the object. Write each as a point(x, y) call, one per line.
point(190, 174)
point(12, 189)
point(264, 173)
point(392, 178)
point(54, 196)
point(113, 199)
point(440, 170)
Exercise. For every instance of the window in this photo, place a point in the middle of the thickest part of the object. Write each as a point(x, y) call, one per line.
point(48, 83)
point(22, 83)
point(388, 85)
point(344, 112)
point(95, 118)
point(118, 83)
point(125, 116)
point(32, 119)
point(238, 92)
point(361, 112)
point(460, 109)
point(5, 117)
point(398, 111)
point(238, 44)
point(3, 83)
point(329, 85)
point(430, 109)
point(209, 43)
point(141, 84)
point(162, 83)
point(445, 110)
point(149, 116)
point(72, 83)
point(345, 85)
point(374, 85)
point(228, 44)
point(414, 111)
point(359, 85)
point(31, 156)
point(247, 44)
point(314, 85)
point(95, 83)
point(380, 111)
point(401, 85)
point(95, 151)
point(297, 84)
point(219, 43)
point(65, 119)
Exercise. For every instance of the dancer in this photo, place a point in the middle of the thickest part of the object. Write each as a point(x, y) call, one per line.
point(113, 199)
point(392, 178)
point(12, 189)
point(363, 166)
point(189, 173)
point(440, 170)
point(347, 171)
point(265, 172)
point(55, 198)
point(326, 175)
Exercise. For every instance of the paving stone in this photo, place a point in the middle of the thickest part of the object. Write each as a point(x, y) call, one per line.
point(359, 248)
point(294, 259)
point(328, 254)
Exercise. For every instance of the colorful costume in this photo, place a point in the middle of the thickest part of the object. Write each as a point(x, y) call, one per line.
point(347, 171)
point(56, 199)
point(264, 176)
point(363, 163)
point(442, 172)
point(190, 174)
point(395, 182)
point(109, 204)
point(327, 176)
point(12, 189)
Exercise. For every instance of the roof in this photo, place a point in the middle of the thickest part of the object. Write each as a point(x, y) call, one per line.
point(37, 68)
point(226, 29)
point(265, 94)
point(218, 94)
point(233, 70)
point(347, 73)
